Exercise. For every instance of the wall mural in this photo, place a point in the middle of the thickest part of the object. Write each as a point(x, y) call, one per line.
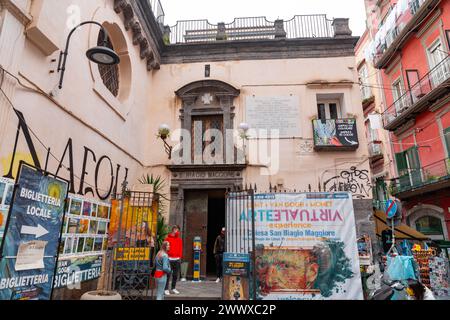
point(352, 180)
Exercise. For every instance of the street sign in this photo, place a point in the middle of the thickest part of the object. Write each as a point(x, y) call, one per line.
point(391, 208)
point(30, 247)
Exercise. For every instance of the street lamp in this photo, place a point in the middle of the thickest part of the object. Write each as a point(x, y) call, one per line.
point(99, 54)
point(163, 134)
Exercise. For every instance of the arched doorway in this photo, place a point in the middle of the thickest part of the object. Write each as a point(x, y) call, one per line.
point(429, 220)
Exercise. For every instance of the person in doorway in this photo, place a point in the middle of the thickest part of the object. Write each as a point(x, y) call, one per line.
point(175, 255)
point(417, 291)
point(219, 248)
point(162, 270)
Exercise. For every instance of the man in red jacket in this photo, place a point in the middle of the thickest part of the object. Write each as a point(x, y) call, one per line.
point(175, 255)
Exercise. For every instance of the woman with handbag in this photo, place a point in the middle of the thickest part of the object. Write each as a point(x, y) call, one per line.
point(162, 270)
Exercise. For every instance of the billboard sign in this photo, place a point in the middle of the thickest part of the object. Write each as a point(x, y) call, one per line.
point(30, 246)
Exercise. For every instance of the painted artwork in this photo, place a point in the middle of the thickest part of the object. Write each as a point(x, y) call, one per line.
point(94, 210)
point(80, 245)
point(306, 247)
point(98, 243)
point(75, 207)
point(86, 209)
point(102, 227)
point(93, 225)
point(83, 226)
point(72, 226)
point(88, 244)
point(103, 212)
point(236, 288)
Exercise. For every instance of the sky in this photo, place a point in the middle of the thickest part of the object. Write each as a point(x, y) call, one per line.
point(226, 10)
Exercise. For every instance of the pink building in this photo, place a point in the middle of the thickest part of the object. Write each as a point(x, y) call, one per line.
point(410, 47)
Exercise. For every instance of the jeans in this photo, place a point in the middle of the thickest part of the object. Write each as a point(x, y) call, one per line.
point(175, 265)
point(219, 257)
point(160, 286)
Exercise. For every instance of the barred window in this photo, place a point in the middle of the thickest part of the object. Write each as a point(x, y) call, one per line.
point(109, 74)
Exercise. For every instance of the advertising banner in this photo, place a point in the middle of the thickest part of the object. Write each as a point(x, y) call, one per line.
point(306, 246)
point(335, 133)
point(6, 191)
point(71, 272)
point(32, 236)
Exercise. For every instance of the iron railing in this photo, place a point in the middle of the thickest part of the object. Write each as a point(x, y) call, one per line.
point(158, 11)
point(375, 149)
point(433, 79)
point(416, 178)
point(252, 28)
point(388, 32)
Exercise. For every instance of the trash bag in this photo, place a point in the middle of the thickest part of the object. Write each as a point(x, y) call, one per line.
point(401, 268)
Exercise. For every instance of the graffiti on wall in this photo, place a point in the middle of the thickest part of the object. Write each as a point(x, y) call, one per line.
point(352, 180)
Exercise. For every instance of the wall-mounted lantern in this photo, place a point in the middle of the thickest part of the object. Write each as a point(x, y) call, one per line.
point(99, 54)
point(163, 134)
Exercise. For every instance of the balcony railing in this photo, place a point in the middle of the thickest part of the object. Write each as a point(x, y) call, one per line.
point(418, 94)
point(158, 11)
point(416, 178)
point(375, 150)
point(252, 28)
point(335, 134)
point(397, 25)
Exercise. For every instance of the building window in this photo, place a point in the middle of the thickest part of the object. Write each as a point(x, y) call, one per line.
point(109, 74)
point(329, 110)
point(440, 69)
point(447, 143)
point(364, 79)
point(397, 92)
point(429, 225)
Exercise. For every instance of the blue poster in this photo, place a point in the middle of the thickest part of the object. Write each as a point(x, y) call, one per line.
point(31, 240)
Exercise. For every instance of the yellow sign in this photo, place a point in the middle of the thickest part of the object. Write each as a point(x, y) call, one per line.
point(132, 254)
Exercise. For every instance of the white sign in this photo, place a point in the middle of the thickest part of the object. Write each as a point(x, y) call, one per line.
point(30, 255)
point(275, 112)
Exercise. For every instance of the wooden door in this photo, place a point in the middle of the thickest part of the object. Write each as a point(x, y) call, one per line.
point(196, 218)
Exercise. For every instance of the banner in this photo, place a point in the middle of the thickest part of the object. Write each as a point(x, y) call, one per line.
point(236, 264)
point(32, 235)
point(6, 191)
point(71, 272)
point(306, 246)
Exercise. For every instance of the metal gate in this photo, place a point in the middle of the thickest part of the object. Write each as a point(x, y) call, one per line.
point(134, 242)
point(240, 228)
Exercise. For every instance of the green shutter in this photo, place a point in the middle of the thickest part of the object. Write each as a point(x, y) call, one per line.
point(414, 165)
point(447, 140)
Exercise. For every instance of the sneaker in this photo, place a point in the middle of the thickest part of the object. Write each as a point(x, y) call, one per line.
point(218, 280)
point(167, 292)
point(175, 291)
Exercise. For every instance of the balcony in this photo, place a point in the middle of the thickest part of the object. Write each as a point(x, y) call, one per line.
point(420, 96)
point(375, 151)
point(398, 26)
point(429, 178)
point(335, 135)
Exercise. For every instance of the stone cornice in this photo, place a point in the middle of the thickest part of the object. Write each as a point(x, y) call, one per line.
point(140, 39)
point(259, 50)
point(16, 11)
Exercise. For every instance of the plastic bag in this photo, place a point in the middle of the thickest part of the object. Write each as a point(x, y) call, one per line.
point(400, 268)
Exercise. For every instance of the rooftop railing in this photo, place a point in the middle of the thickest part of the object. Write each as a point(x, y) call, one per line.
point(158, 11)
point(252, 28)
point(418, 92)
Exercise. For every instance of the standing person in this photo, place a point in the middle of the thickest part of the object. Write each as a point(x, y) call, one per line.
point(175, 255)
point(219, 248)
point(162, 270)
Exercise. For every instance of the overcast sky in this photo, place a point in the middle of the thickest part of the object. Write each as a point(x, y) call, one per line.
point(225, 10)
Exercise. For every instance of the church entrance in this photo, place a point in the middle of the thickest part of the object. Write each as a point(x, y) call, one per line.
point(204, 216)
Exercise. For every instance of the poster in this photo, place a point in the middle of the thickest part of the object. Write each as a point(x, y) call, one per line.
point(36, 214)
point(6, 188)
point(236, 288)
point(138, 224)
point(236, 264)
point(30, 255)
point(306, 246)
point(335, 133)
point(76, 270)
